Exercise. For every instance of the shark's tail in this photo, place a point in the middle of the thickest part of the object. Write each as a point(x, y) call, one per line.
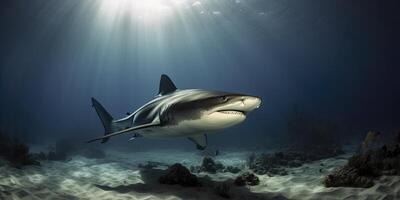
point(105, 118)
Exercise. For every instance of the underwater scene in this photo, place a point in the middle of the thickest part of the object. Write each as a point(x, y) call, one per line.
point(199, 100)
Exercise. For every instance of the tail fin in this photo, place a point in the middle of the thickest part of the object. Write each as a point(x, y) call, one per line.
point(105, 117)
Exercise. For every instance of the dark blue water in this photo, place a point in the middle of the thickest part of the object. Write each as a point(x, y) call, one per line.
point(327, 73)
point(335, 60)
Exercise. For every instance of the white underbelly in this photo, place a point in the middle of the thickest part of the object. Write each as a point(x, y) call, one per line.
point(167, 132)
point(189, 127)
point(183, 129)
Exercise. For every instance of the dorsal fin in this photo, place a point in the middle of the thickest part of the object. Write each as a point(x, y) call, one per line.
point(166, 85)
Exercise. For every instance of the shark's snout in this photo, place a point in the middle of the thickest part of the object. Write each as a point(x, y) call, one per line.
point(251, 102)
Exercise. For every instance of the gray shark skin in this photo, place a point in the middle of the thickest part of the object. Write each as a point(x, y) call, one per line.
point(180, 113)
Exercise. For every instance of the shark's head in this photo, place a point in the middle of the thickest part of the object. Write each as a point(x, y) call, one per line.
point(225, 110)
point(210, 110)
point(199, 110)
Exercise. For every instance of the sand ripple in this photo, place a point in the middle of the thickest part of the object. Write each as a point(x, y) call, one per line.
point(80, 178)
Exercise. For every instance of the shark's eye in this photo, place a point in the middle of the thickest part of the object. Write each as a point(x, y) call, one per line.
point(224, 98)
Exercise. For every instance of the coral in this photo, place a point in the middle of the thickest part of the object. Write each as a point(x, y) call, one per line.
point(361, 169)
point(247, 178)
point(208, 165)
point(178, 174)
point(16, 152)
point(348, 176)
point(275, 163)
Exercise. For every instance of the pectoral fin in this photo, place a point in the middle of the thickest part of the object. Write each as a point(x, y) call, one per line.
point(155, 123)
point(200, 141)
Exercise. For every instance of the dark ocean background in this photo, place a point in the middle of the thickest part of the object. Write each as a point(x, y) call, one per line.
point(337, 61)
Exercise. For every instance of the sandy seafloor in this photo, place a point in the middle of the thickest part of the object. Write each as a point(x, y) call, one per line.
point(118, 177)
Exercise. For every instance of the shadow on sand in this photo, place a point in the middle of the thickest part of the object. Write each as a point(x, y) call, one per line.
point(151, 186)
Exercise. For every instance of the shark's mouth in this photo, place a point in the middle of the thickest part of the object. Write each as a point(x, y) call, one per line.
point(232, 112)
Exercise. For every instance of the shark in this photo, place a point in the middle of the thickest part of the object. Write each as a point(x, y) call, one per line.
point(175, 113)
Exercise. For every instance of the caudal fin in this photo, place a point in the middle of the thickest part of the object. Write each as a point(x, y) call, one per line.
point(105, 117)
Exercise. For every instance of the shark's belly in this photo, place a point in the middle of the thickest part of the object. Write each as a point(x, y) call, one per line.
point(166, 132)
